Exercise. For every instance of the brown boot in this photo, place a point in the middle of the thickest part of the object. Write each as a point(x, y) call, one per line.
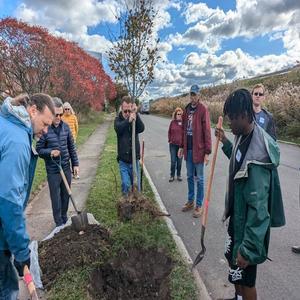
point(188, 206)
point(197, 212)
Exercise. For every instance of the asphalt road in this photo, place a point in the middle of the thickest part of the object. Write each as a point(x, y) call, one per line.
point(277, 279)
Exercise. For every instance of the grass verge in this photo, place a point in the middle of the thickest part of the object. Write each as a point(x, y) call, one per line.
point(85, 130)
point(142, 231)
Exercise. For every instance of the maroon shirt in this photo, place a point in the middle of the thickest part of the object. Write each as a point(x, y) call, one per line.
point(175, 132)
point(201, 133)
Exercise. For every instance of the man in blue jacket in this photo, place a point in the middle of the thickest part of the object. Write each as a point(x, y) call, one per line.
point(21, 119)
point(57, 147)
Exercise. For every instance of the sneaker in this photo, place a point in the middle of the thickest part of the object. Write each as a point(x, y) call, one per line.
point(179, 178)
point(188, 206)
point(197, 212)
point(171, 179)
point(296, 249)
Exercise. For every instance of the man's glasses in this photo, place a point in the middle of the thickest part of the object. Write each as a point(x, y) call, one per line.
point(258, 94)
point(67, 109)
point(193, 94)
point(126, 111)
point(58, 115)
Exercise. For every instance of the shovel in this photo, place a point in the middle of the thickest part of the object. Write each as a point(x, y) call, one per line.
point(79, 222)
point(142, 164)
point(30, 284)
point(207, 197)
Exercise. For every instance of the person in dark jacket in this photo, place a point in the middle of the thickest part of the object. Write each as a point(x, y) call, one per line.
point(21, 119)
point(253, 202)
point(196, 147)
point(123, 128)
point(57, 147)
point(174, 138)
point(263, 118)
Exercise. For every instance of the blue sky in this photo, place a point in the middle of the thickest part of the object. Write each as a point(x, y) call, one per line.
point(203, 42)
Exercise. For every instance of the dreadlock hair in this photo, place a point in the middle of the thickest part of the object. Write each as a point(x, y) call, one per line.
point(239, 102)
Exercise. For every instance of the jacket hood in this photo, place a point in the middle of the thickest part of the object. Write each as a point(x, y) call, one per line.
point(16, 114)
point(263, 150)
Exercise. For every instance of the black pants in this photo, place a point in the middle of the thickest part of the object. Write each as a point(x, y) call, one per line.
point(59, 196)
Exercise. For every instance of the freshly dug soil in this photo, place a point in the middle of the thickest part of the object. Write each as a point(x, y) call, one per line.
point(68, 249)
point(138, 274)
point(136, 202)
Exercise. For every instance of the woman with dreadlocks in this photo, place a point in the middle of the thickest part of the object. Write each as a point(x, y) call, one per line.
point(253, 201)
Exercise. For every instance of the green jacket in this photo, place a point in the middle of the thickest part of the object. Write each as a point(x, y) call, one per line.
point(257, 196)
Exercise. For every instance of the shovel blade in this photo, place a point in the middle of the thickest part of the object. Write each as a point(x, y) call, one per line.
point(199, 257)
point(80, 221)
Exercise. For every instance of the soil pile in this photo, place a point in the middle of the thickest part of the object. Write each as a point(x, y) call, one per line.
point(137, 274)
point(134, 203)
point(68, 249)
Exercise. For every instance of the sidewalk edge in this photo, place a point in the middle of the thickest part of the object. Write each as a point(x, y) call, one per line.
point(202, 291)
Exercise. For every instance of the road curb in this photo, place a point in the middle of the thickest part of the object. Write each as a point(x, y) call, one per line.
point(202, 291)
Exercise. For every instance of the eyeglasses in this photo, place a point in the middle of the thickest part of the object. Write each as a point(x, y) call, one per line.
point(179, 114)
point(67, 109)
point(258, 94)
point(126, 111)
point(58, 115)
point(193, 94)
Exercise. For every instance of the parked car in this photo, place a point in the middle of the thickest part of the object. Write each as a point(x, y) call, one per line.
point(145, 107)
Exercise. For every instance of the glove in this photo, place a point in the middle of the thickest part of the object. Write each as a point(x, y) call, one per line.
point(20, 266)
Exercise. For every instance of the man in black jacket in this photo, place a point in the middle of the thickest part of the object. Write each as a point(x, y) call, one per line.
point(123, 127)
point(57, 147)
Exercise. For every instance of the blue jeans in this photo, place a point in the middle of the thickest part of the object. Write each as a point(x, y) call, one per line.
point(126, 176)
point(9, 284)
point(175, 160)
point(195, 172)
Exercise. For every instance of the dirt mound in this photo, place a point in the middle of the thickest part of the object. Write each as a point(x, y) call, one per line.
point(137, 274)
point(136, 202)
point(68, 249)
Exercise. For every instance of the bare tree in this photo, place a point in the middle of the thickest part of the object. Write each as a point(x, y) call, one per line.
point(134, 53)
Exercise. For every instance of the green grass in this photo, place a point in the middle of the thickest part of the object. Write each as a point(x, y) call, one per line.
point(142, 231)
point(85, 130)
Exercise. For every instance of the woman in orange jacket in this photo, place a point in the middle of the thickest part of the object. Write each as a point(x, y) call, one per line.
point(70, 118)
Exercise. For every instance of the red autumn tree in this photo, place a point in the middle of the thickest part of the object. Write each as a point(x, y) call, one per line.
point(32, 60)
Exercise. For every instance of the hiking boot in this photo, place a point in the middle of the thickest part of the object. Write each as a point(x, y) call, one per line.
point(179, 178)
point(171, 179)
point(197, 212)
point(296, 249)
point(188, 206)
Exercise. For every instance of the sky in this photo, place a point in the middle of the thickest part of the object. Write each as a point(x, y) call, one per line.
point(201, 42)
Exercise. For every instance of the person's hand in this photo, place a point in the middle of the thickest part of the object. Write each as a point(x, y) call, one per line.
point(132, 117)
point(220, 133)
point(241, 261)
point(55, 153)
point(19, 265)
point(76, 171)
point(180, 152)
point(206, 159)
point(134, 108)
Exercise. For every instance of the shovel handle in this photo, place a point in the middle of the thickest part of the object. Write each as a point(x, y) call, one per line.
point(211, 174)
point(29, 283)
point(63, 176)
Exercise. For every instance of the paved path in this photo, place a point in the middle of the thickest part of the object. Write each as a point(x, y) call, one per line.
point(276, 280)
point(39, 214)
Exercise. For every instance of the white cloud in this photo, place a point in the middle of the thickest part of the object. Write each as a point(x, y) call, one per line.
point(71, 19)
point(250, 18)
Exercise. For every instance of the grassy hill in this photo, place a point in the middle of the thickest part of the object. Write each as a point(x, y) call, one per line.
point(282, 100)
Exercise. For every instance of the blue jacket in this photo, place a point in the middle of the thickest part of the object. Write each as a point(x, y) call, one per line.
point(17, 166)
point(58, 138)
